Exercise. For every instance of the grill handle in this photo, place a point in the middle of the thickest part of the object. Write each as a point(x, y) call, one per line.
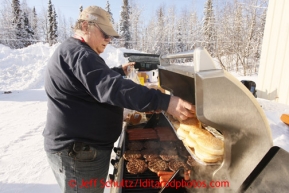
point(114, 162)
point(117, 150)
point(165, 59)
point(111, 177)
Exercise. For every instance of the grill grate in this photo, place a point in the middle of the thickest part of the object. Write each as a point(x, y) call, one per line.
point(147, 181)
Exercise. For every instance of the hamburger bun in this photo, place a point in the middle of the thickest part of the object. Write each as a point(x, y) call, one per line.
point(189, 123)
point(182, 134)
point(197, 133)
point(211, 145)
point(206, 146)
point(188, 141)
point(205, 157)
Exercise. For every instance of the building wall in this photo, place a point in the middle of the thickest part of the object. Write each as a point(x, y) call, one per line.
point(273, 76)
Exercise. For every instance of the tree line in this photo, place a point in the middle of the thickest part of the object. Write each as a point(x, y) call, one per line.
point(231, 30)
point(22, 25)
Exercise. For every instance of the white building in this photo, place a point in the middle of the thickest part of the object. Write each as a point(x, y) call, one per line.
point(273, 76)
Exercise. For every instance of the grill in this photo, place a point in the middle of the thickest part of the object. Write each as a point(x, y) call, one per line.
point(250, 162)
point(137, 179)
point(148, 179)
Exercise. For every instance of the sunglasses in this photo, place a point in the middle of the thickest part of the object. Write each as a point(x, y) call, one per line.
point(104, 35)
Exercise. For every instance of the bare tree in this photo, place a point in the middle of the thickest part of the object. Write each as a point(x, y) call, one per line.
point(7, 30)
point(62, 29)
point(34, 24)
point(42, 27)
point(240, 34)
point(135, 27)
point(170, 29)
point(232, 31)
point(184, 30)
point(159, 44)
point(224, 40)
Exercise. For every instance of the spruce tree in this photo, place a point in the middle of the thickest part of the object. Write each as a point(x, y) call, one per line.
point(54, 27)
point(125, 25)
point(16, 12)
point(34, 24)
point(27, 32)
point(107, 8)
point(180, 44)
point(209, 31)
point(17, 24)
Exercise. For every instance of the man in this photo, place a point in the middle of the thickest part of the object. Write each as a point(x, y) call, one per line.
point(85, 104)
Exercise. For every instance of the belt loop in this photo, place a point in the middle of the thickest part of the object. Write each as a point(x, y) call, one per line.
point(71, 153)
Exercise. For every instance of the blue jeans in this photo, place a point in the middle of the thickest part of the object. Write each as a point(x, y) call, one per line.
point(84, 171)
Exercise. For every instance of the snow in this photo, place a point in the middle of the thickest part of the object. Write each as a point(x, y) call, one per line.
point(23, 164)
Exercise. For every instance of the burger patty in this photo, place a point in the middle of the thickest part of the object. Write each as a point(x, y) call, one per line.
point(135, 145)
point(191, 161)
point(150, 154)
point(136, 166)
point(151, 144)
point(168, 155)
point(167, 145)
point(131, 154)
point(157, 165)
point(183, 152)
point(175, 164)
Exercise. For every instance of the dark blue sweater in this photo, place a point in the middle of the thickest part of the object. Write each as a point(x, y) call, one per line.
point(86, 98)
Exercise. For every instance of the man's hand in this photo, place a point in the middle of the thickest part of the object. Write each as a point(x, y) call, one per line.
point(125, 67)
point(180, 109)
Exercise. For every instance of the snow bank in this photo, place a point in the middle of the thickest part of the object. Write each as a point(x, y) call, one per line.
point(23, 69)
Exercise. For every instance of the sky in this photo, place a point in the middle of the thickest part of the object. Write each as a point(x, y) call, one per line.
point(23, 164)
point(71, 8)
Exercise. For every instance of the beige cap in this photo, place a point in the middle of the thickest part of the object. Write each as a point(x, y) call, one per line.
point(100, 17)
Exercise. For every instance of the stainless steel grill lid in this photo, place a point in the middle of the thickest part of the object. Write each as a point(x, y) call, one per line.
point(226, 104)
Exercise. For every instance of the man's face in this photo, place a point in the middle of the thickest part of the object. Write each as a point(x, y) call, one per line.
point(97, 39)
